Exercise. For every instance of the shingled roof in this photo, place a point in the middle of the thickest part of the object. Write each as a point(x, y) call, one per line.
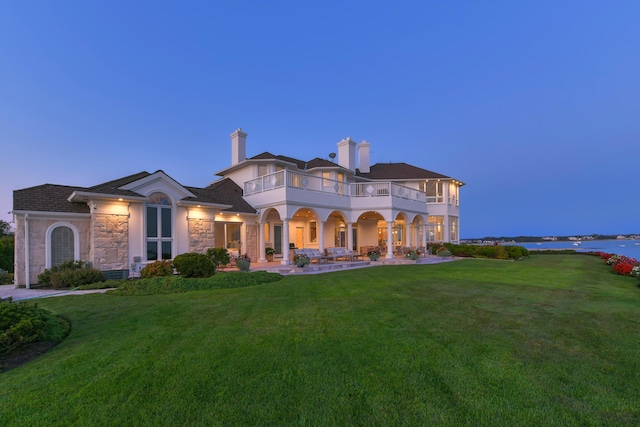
point(54, 198)
point(224, 192)
point(48, 198)
point(399, 171)
point(300, 164)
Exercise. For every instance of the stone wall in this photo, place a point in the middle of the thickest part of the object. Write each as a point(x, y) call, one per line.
point(251, 247)
point(110, 242)
point(37, 245)
point(201, 235)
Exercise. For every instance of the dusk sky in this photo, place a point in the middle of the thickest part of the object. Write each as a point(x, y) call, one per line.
point(534, 105)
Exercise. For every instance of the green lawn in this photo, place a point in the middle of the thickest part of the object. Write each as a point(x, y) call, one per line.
point(552, 340)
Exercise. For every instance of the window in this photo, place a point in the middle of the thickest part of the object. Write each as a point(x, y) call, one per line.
point(313, 232)
point(326, 179)
point(435, 228)
point(434, 190)
point(159, 227)
point(62, 246)
point(263, 170)
point(453, 228)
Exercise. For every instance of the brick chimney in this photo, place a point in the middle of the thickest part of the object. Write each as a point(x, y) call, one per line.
point(238, 146)
point(364, 162)
point(347, 153)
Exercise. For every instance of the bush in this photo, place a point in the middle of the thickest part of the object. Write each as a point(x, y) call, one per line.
point(301, 260)
point(168, 285)
point(157, 269)
point(443, 252)
point(219, 256)
point(22, 323)
point(44, 278)
point(243, 262)
point(516, 252)
point(75, 278)
point(6, 278)
point(194, 265)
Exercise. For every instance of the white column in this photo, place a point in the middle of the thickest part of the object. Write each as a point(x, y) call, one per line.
point(261, 257)
point(446, 236)
point(424, 235)
point(321, 237)
point(408, 231)
point(389, 240)
point(349, 235)
point(285, 242)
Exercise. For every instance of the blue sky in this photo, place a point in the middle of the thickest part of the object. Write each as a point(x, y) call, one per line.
point(534, 105)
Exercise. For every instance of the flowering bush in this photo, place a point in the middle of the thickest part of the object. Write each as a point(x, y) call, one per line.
point(414, 254)
point(243, 262)
point(373, 254)
point(621, 264)
point(300, 260)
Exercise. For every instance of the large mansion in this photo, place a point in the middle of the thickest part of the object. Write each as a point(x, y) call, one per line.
point(263, 201)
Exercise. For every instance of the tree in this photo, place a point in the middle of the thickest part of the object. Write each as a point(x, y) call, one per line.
point(6, 246)
point(5, 229)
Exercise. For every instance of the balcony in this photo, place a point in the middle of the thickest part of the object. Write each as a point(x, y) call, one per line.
point(286, 186)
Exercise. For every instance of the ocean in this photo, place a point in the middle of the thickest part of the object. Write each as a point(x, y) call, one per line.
point(630, 248)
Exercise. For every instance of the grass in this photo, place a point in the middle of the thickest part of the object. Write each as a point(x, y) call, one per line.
point(552, 340)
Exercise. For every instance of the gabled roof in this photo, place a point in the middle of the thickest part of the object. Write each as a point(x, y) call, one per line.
point(55, 198)
point(113, 187)
point(48, 198)
point(399, 171)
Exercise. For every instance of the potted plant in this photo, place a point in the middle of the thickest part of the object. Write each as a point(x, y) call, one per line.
point(373, 254)
point(269, 252)
point(301, 260)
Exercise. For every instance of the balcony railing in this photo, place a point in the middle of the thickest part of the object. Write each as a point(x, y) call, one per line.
point(324, 185)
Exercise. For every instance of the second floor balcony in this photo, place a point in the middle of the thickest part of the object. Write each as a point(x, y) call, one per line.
point(287, 186)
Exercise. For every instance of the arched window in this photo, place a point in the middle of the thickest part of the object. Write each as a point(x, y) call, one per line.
point(159, 240)
point(62, 244)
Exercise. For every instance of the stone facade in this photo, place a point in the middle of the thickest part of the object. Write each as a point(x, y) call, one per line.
point(201, 235)
point(110, 242)
point(38, 245)
point(252, 242)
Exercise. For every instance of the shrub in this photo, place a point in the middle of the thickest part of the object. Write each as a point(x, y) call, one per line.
point(301, 260)
point(443, 252)
point(6, 278)
point(414, 255)
point(194, 265)
point(21, 323)
point(157, 269)
point(219, 256)
point(516, 252)
point(167, 285)
point(44, 278)
point(75, 278)
point(243, 262)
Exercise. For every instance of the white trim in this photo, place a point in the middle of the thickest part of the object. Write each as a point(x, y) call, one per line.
point(49, 214)
point(76, 241)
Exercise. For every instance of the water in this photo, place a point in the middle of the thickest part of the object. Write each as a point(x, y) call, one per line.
point(630, 248)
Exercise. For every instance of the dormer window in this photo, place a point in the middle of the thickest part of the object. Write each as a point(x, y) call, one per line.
point(159, 240)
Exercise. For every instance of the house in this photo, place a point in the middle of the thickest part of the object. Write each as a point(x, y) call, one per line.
point(263, 201)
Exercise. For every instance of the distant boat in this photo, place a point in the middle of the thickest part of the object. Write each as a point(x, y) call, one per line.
point(578, 243)
point(622, 246)
point(539, 243)
point(637, 244)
